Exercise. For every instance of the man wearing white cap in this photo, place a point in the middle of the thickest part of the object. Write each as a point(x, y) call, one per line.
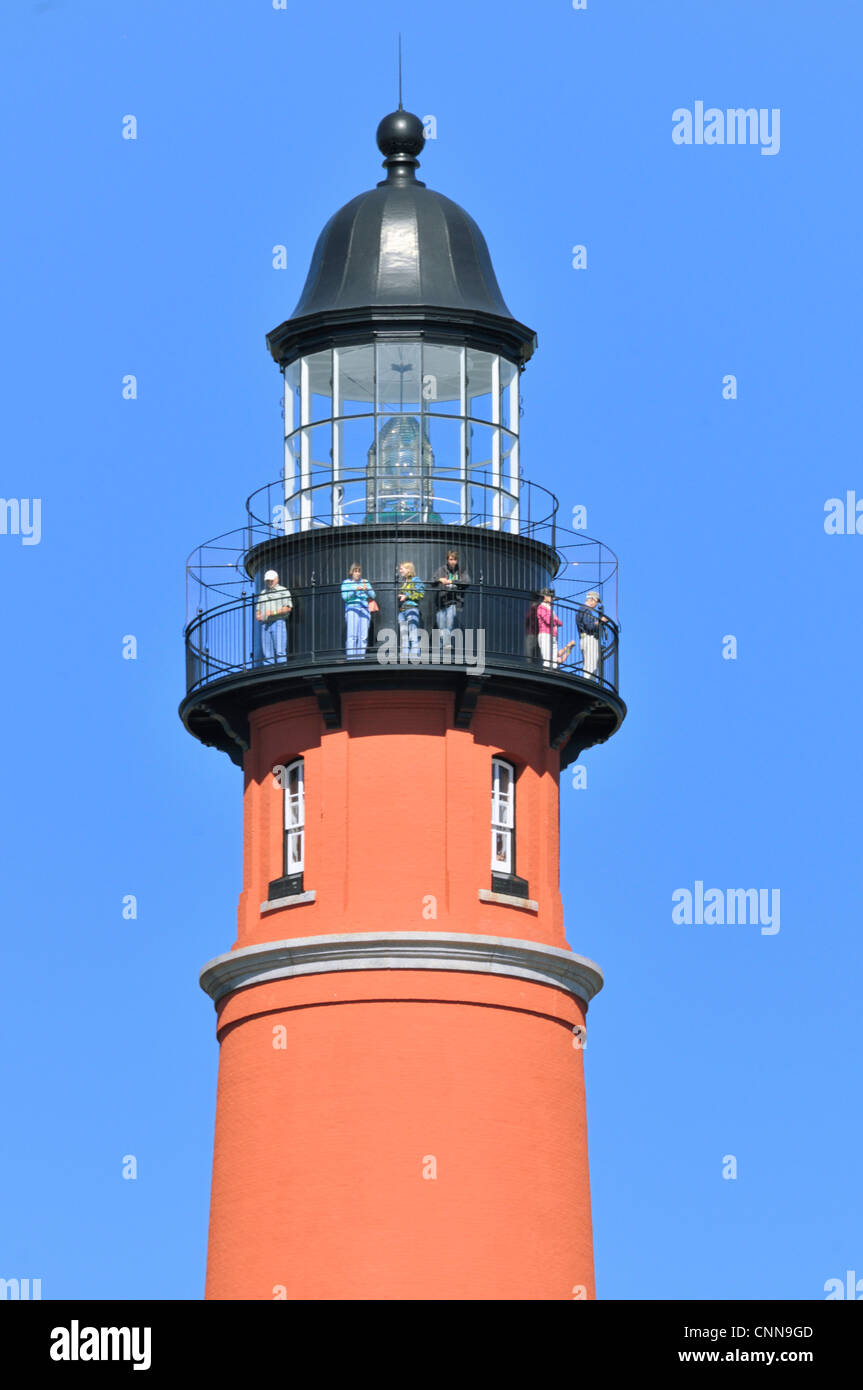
point(589, 623)
point(272, 608)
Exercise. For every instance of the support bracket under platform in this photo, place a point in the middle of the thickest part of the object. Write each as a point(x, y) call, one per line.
point(569, 734)
point(465, 700)
point(240, 740)
point(329, 701)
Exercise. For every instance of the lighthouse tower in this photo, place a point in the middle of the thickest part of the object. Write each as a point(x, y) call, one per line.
point(401, 1109)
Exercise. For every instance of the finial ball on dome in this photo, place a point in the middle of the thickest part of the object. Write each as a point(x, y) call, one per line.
point(400, 133)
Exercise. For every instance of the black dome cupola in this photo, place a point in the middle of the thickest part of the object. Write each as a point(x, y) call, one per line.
point(401, 259)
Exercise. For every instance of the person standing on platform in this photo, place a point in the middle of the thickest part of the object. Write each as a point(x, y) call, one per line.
point(451, 581)
point(589, 620)
point(547, 623)
point(410, 595)
point(272, 608)
point(360, 603)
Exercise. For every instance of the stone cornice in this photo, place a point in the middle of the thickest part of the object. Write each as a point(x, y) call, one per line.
point(453, 951)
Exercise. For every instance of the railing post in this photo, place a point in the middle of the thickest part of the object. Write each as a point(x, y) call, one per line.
point(314, 581)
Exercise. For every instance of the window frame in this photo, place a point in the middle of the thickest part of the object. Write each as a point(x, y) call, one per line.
point(294, 829)
point(503, 826)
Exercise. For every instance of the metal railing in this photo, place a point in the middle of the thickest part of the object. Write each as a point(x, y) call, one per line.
point(435, 496)
point(217, 571)
point(492, 627)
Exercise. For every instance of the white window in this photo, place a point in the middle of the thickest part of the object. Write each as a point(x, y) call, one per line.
point(295, 818)
point(502, 817)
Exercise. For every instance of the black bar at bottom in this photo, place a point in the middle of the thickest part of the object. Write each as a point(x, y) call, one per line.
point(84, 1339)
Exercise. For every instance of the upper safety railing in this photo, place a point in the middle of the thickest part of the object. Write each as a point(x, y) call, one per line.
point(408, 496)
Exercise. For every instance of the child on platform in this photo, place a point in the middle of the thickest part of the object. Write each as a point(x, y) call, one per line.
point(410, 595)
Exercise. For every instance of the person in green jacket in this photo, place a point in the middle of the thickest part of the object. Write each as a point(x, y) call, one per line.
point(410, 594)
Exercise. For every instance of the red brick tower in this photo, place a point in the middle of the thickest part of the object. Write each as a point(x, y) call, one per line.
point(401, 1106)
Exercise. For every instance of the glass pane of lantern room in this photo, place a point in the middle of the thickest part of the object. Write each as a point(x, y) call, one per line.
point(292, 464)
point(483, 499)
point(510, 482)
point(508, 373)
point(292, 397)
point(399, 382)
point(480, 447)
point(357, 437)
point(316, 468)
point(320, 386)
point(400, 463)
point(445, 440)
point(479, 385)
point(400, 460)
point(442, 379)
point(356, 377)
point(322, 443)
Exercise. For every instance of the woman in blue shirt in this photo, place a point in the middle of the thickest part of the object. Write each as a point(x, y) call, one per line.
point(357, 594)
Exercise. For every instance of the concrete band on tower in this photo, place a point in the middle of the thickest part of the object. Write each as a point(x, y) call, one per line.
point(453, 951)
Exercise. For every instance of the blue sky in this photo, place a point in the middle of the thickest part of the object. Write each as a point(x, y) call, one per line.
point(154, 257)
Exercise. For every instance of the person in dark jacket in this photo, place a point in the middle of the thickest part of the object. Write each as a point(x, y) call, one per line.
point(589, 623)
point(451, 582)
